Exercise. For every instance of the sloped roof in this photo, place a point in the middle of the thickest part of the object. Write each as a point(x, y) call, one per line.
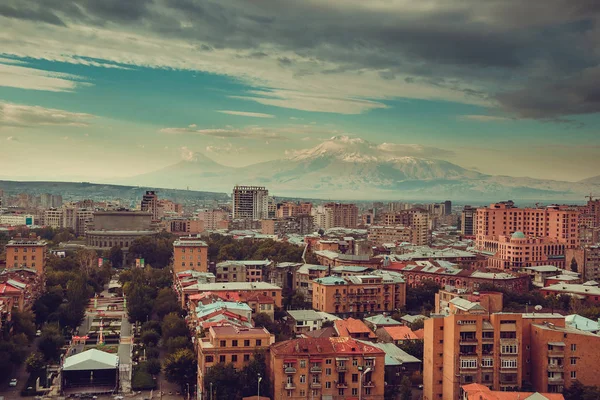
point(382, 319)
point(91, 360)
point(304, 315)
point(394, 355)
point(351, 326)
point(400, 332)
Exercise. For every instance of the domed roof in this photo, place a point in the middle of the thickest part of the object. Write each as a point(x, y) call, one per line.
point(518, 235)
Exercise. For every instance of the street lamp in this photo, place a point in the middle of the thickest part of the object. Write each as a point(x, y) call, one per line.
point(258, 389)
point(362, 375)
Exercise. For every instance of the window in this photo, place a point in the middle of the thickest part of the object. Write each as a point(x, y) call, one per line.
point(354, 391)
point(508, 349)
point(573, 347)
point(222, 359)
point(302, 363)
point(258, 342)
point(470, 364)
point(328, 361)
point(327, 371)
point(223, 343)
point(246, 357)
point(327, 385)
point(573, 361)
point(234, 343)
point(209, 359)
point(368, 390)
point(510, 363)
point(573, 374)
point(234, 358)
point(246, 343)
point(355, 362)
point(354, 377)
point(341, 392)
point(302, 378)
point(487, 362)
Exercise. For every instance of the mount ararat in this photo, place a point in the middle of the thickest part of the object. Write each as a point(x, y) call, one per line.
point(353, 168)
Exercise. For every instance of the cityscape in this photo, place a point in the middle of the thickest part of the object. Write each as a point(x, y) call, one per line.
point(299, 200)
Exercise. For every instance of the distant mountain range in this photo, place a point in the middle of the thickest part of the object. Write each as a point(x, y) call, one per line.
point(86, 190)
point(353, 168)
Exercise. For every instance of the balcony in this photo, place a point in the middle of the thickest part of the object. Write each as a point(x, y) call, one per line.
point(369, 384)
point(341, 368)
point(467, 341)
point(290, 386)
point(341, 385)
point(289, 370)
point(555, 368)
point(487, 340)
point(315, 385)
point(316, 369)
point(556, 381)
point(557, 352)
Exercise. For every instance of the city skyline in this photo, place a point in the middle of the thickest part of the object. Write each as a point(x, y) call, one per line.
point(107, 91)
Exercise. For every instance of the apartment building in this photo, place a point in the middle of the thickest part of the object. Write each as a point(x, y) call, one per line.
point(585, 260)
point(468, 221)
point(503, 219)
point(197, 285)
point(343, 215)
point(213, 219)
point(327, 368)
point(562, 356)
point(380, 235)
point(304, 277)
point(518, 251)
point(53, 217)
point(190, 253)
point(27, 253)
point(356, 295)
point(229, 344)
point(472, 348)
point(77, 218)
point(250, 202)
point(242, 271)
point(149, 204)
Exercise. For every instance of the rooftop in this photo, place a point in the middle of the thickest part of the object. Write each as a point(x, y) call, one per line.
point(231, 286)
point(351, 326)
point(382, 319)
point(228, 330)
point(544, 268)
point(575, 288)
point(338, 346)
point(91, 360)
point(304, 315)
point(400, 332)
point(393, 354)
point(582, 323)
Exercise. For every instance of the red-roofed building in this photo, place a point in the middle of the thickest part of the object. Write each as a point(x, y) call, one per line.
point(320, 368)
point(475, 391)
point(396, 334)
point(353, 328)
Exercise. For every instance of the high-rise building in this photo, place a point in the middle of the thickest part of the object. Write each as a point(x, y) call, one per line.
point(77, 218)
point(468, 221)
point(212, 218)
point(344, 215)
point(503, 219)
point(250, 202)
point(585, 260)
point(447, 207)
point(150, 203)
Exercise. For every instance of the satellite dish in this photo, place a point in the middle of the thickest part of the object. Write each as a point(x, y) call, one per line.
point(538, 307)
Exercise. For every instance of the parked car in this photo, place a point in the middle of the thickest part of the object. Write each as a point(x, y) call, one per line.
point(13, 382)
point(38, 333)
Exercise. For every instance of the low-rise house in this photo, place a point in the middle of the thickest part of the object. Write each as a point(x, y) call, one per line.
point(411, 319)
point(302, 321)
point(380, 320)
point(588, 291)
point(395, 334)
point(398, 363)
point(353, 328)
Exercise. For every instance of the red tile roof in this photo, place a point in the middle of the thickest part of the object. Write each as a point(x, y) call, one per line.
point(420, 333)
point(350, 327)
point(400, 332)
point(476, 391)
point(323, 346)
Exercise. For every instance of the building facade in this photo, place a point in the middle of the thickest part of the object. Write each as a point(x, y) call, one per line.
point(327, 368)
point(342, 215)
point(190, 253)
point(250, 202)
point(468, 221)
point(519, 251)
point(27, 253)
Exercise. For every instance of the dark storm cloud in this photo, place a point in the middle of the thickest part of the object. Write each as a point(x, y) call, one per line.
point(541, 54)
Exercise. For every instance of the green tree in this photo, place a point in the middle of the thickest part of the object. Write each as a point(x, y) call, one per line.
point(115, 255)
point(422, 297)
point(405, 389)
point(151, 326)
point(139, 302)
point(413, 347)
point(250, 373)
point(153, 366)
point(390, 392)
point(180, 367)
point(574, 266)
point(23, 322)
point(172, 326)
point(51, 342)
point(226, 382)
point(418, 324)
point(179, 342)
point(166, 302)
point(150, 337)
point(35, 363)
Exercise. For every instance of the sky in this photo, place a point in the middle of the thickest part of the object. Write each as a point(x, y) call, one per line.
point(99, 90)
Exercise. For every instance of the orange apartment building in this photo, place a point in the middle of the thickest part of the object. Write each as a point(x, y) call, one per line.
point(503, 219)
point(190, 253)
point(326, 368)
point(561, 356)
point(356, 295)
point(27, 253)
point(343, 215)
point(472, 348)
point(519, 251)
point(229, 344)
